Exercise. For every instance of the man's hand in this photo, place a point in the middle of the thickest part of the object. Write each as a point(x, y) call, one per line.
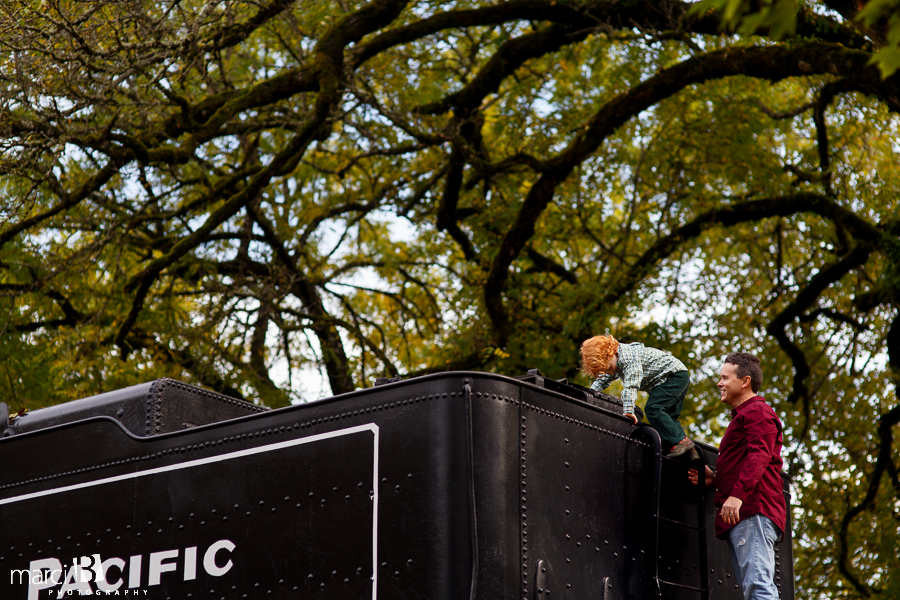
point(633, 418)
point(708, 480)
point(731, 510)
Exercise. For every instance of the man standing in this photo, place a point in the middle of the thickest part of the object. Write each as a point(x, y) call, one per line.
point(749, 494)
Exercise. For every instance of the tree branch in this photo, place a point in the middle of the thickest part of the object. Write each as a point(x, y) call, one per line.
point(804, 299)
point(333, 355)
point(772, 63)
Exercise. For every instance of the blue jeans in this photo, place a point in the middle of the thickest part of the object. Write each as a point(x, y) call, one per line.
point(752, 544)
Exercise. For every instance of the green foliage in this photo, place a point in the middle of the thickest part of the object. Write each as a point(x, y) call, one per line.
point(778, 17)
point(888, 58)
point(875, 10)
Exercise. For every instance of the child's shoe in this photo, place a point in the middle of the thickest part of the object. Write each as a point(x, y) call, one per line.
point(680, 448)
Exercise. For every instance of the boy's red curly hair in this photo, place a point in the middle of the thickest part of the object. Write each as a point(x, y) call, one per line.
point(596, 354)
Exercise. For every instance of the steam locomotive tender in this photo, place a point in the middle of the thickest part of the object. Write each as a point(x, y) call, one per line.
point(448, 486)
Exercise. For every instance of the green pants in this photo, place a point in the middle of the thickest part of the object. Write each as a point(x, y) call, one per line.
point(664, 405)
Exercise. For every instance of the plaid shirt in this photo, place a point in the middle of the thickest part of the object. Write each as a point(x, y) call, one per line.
point(640, 368)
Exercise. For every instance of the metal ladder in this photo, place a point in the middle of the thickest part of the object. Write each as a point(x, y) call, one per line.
point(700, 528)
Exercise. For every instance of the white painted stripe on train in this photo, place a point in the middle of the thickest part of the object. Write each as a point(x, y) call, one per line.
point(240, 454)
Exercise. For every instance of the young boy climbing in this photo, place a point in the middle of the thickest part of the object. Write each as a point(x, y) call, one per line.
point(646, 369)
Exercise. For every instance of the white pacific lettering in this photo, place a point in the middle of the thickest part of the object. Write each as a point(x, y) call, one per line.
point(158, 567)
point(75, 580)
point(134, 571)
point(37, 581)
point(190, 563)
point(110, 576)
point(105, 584)
point(209, 559)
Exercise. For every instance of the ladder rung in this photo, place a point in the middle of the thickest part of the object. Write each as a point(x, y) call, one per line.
point(681, 461)
point(680, 585)
point(679, 523)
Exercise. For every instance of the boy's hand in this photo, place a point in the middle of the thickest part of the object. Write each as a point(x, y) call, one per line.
point(708, 479)
point(633, 418)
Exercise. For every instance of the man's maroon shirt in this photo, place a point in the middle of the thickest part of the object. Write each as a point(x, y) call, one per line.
point(749, 464)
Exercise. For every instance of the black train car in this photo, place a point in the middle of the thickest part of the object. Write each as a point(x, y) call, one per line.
point(450, 486)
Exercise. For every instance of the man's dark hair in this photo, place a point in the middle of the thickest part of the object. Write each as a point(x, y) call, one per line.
point(747, 364)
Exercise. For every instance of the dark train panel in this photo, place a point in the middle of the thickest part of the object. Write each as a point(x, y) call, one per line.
point(459, 485)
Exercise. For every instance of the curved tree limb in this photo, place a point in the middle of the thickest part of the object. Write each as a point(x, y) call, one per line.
point(771, 63)
point(329, 51)
point(601, 15)
point(332, 348)
point(804, 299)
point(883, 464)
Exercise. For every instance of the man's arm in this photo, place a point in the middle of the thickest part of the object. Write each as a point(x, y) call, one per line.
point(731, 510)
point(762, 434)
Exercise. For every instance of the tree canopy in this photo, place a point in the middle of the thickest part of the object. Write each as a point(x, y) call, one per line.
point(244, 194)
